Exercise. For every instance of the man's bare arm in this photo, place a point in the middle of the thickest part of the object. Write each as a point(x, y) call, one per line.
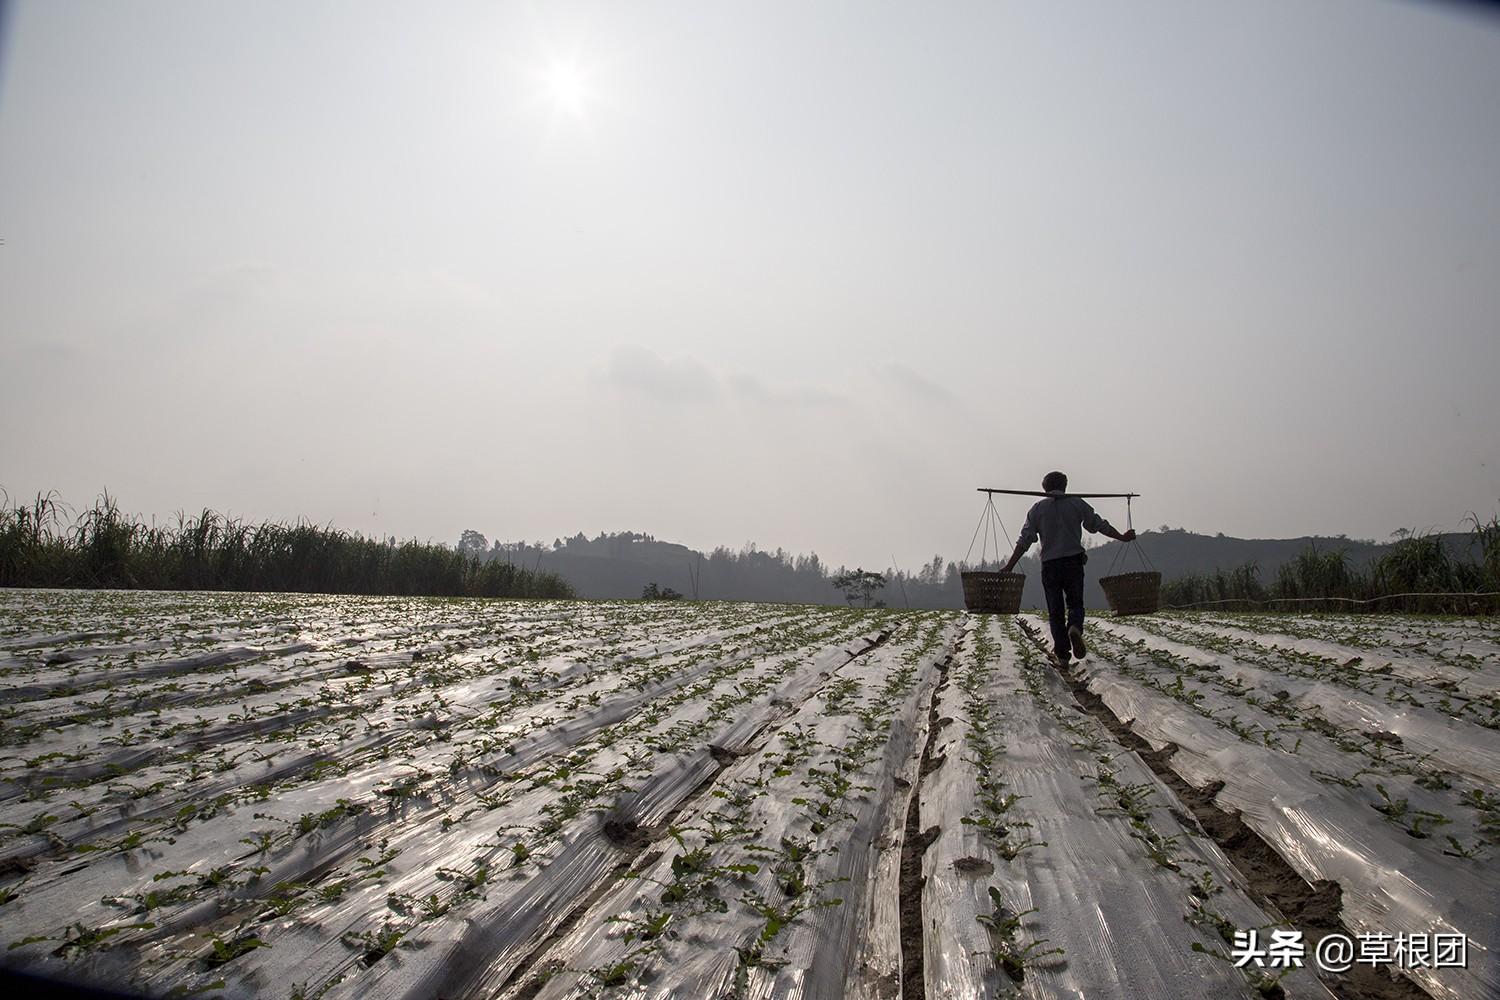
point(1015, 556)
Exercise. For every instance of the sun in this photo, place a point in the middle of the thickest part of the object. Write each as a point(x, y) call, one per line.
point(566, 84)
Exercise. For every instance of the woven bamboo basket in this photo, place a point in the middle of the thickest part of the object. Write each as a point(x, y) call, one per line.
point(993, 593)
point(1132, 593)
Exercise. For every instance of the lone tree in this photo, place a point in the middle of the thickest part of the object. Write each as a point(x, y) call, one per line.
point(651, 592)
point(472, 543)
point(859, 585)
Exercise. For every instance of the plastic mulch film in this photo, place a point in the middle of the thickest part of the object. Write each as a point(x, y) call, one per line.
point(1428, 655)
point(1310, 794)
point(783, 879)
point(1375, 705)
point(296, 796)
point(1060, 867)
point(374, 791)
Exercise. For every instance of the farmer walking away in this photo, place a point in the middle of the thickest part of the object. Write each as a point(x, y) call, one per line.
point(1059, 520)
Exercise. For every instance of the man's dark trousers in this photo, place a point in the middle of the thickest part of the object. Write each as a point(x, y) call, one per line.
point(1062, 579)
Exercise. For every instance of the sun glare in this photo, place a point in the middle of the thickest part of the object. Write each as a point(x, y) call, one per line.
point(567, 87)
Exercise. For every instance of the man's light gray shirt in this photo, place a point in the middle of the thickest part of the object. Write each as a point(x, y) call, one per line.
point(1059, 521)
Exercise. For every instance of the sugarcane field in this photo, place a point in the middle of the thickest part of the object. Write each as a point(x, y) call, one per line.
point(294, 796)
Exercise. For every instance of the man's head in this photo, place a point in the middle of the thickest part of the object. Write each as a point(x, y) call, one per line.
point(1055, 482)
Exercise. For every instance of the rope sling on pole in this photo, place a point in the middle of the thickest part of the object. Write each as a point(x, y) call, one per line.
point(1136, 593)
point(990, 523)
point(985, 590)
point(1135, 546)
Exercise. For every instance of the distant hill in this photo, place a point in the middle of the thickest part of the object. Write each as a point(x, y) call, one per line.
point(620, 565)
point(1176, 552)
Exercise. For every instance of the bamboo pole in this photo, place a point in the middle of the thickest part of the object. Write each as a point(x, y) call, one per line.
point(1039, 493)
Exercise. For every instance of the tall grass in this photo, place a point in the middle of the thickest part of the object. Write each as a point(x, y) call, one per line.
point(40, 546)
point(1487, 541)
point(1324, 579)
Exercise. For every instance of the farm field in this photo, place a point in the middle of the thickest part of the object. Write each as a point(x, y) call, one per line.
point(271, 795)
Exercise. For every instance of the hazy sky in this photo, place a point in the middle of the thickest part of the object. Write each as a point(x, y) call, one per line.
point(798, 273)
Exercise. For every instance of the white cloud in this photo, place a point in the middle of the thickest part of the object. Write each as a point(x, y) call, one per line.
point(637, 370)
point(915, 384)
point(757, 392)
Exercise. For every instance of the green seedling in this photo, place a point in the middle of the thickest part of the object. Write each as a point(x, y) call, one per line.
point(1425, 817)
point(308, 822)
point(1477, 798)
point(433, 906)
point(1004, 926)
point(227, 951)
point(375, 944)
point(1458, 850)
point(79, 937)
point(1205, 887)
point(616, 974)
point(35, 825)
point(1264, 984)
point(1010, 850)
point(648, 927)
point(1398, 811)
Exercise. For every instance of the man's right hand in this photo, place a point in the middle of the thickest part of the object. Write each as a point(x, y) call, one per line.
point(1129, 535)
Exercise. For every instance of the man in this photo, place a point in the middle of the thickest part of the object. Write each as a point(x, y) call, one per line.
point(1058, 520)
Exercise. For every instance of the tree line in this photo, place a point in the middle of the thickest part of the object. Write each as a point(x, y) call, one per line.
point(1419, 572)
point(41, 545)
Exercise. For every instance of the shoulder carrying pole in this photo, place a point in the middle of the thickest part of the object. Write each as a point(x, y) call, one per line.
point(1039, 493)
